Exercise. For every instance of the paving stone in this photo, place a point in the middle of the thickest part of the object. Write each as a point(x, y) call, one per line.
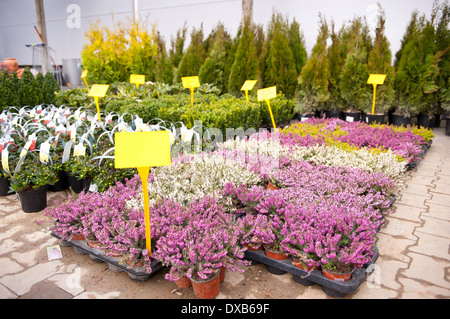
point(438, 211)
point(416, 289)
point(8, 266)
point(6, 294)
point(435, 226)
point(394, 248)
point(412, 200)
point(95, 295)
point(407, 212)
point(440, 199)
point(428, 270)
point(435, 246)
point(416, 189)
point(399, 229)
point(46, 290)
point(70, 281)
point(22, 282)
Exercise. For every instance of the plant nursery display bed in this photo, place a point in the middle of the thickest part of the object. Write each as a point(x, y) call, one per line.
point(332, 288)
point(135, 273)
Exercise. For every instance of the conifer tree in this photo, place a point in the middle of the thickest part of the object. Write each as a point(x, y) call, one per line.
point(164, 67)
point(280, 68)
point(417, 71)
point(355, 91)
point(194, 56)
point(212, 70)
point(379, 62)
point(313, 80)
point(297, 44)
point(336, 54)
point(245, 65)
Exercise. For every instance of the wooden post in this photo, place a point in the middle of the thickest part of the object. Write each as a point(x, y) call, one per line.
point(247, 10)
point(40, 18)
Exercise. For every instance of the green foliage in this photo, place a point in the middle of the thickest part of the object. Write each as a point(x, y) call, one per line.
point(245, 65)
point(379, 62)
point(33, 175)
point(417, 71)
point(194, 56)
point(353, 81)
point(213, 70)
point(313, 80)
point(112, 54)
point(280, 66)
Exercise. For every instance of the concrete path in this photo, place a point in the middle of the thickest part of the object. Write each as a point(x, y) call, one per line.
point(414, 257)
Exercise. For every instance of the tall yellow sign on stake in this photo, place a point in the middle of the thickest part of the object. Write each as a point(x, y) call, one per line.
point(83, 76)
point(191, 82)
point(143, 150)
point(247, 86)
point(137, 79)
point(375, 79)
point(265, 95)
point(98, 90)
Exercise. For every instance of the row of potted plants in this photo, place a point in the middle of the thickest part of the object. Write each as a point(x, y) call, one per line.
point(322, 214)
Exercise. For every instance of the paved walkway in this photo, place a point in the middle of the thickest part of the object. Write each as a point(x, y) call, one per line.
point(414, 257)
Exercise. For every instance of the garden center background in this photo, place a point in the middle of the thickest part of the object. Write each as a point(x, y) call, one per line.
point(67, 20)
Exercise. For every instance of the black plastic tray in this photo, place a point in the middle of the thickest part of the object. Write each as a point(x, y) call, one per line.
point(330, 287)
point(135, 273)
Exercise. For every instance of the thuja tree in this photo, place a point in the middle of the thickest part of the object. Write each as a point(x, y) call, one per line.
point(213, 70)
point(297, 45)
point(313, 79)
point(163, 67)
point(245, 65)
point(280, 67)
point(379, 62)
point(355, 91)
point(417, 71)
point(48, 86)
point(177, 50)
point(336, 54)
point(194, 56)
point(443, 46)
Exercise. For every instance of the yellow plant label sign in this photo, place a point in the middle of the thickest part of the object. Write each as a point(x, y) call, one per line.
point(142, 149)
point(98, 90)
point(137, 79)
point(267, 93)
point(190, 82)
point(376, 79)
point(248, 85)
point(84, 74)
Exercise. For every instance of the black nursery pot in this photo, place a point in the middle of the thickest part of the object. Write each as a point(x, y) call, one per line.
point(447, 126)
point(75, 184)
point(4, 187)
point(425, 120)
point(375, 118)
point(33, 200)
point(334, 114)
point(61, 184)
point(400, 120)
point(352, 116)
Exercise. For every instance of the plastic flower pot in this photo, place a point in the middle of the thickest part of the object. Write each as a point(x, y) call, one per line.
point(447, 126)
point(62, 183)
point(75, 184)
point(277, 255)
point(425, 121)
point(375, 118)
point(206, 289)
point(400, 120)
point(183, 282)
point(33, 200)
point(254, 247)
point(334, 114)
point(352, 116)
point(299, 264)
point(337, 276)
point(4, 187)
